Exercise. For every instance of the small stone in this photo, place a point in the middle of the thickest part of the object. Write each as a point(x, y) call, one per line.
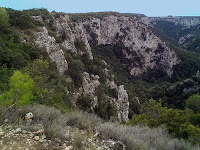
point(37, 138)
point(41, 131)
point(24, 131)
point(42, 140)
point(6, 121)
point(58, 140)
point(70, 147)
point(29, 116)
point(1, 134)
point(43, 137)
point(63, 146)
point(49, 141)
point(18, 130)
point(31, 135)
point(8, 127)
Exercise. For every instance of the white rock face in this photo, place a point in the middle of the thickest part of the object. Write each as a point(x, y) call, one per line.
point(122, 104)
point(38, 18)
point(141, 47)
point(141, 42)
point(187, 22)
point(110, 79)
point(63, 28)
point(90, 84)
point(185, 38)
point(72, 32)
point(56, 54)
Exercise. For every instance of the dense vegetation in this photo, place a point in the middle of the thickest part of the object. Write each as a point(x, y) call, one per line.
point(48, 85)
point(180, 123)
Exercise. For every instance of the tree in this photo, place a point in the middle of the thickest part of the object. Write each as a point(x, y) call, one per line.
point(176, 121)
point(49, 86)
point(76, 68)
point(20, 92)
point(3, 18)
point(193, 103)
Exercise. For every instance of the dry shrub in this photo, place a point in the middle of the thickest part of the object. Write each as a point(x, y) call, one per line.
point(134, 137)
point(142, 137)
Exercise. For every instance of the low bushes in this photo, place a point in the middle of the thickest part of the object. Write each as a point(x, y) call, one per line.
point(135, 138)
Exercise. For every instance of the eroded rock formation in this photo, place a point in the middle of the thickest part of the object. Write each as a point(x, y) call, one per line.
point(122, 104)
point(56, 54)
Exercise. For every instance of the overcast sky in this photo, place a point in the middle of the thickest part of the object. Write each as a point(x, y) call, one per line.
point(147, 7)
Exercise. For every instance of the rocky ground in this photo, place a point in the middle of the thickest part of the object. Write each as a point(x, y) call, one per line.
point(13, 138)
point(16, 137)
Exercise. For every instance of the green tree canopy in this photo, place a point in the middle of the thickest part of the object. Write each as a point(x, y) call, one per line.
point(20, 92)
point(76, 68)
point(193, 102)
point(48, 87)
point(3, 18)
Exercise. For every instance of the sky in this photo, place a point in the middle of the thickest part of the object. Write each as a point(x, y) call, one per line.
point(147, 7)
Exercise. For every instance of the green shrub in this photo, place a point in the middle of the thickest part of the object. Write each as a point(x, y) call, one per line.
point(84, 103)
point(193, 103)
point(20, 92)
point(76, 68)
point(49, 86)
point(176, 121)
point(3, 19)
point(105, 109)
point(80, 45)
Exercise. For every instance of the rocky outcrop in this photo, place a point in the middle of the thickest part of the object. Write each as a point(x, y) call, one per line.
point(110, 79)
point(49, 44)
point(15, 138)
point(183, 30)
point(112, 145)
point(139, 45)
point(185, 38)
point(90, 84)
point(186, 22)
point(122, 104)
point(135, 43)
point(72, 33)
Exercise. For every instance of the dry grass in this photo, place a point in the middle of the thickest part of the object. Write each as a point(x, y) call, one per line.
point(135, 138)
point(142, 137)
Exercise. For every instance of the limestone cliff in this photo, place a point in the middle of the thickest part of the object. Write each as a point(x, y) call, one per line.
point(43, 40)
point(72, 34)
point(140, 46)
point(122, 104)
point(182, 30)
point(186, 22)
point(138, 49)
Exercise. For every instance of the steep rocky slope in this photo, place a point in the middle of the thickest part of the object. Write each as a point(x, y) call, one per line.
point(184, 31)
point(106, 64)
point(137, 48)
point(140, 47)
